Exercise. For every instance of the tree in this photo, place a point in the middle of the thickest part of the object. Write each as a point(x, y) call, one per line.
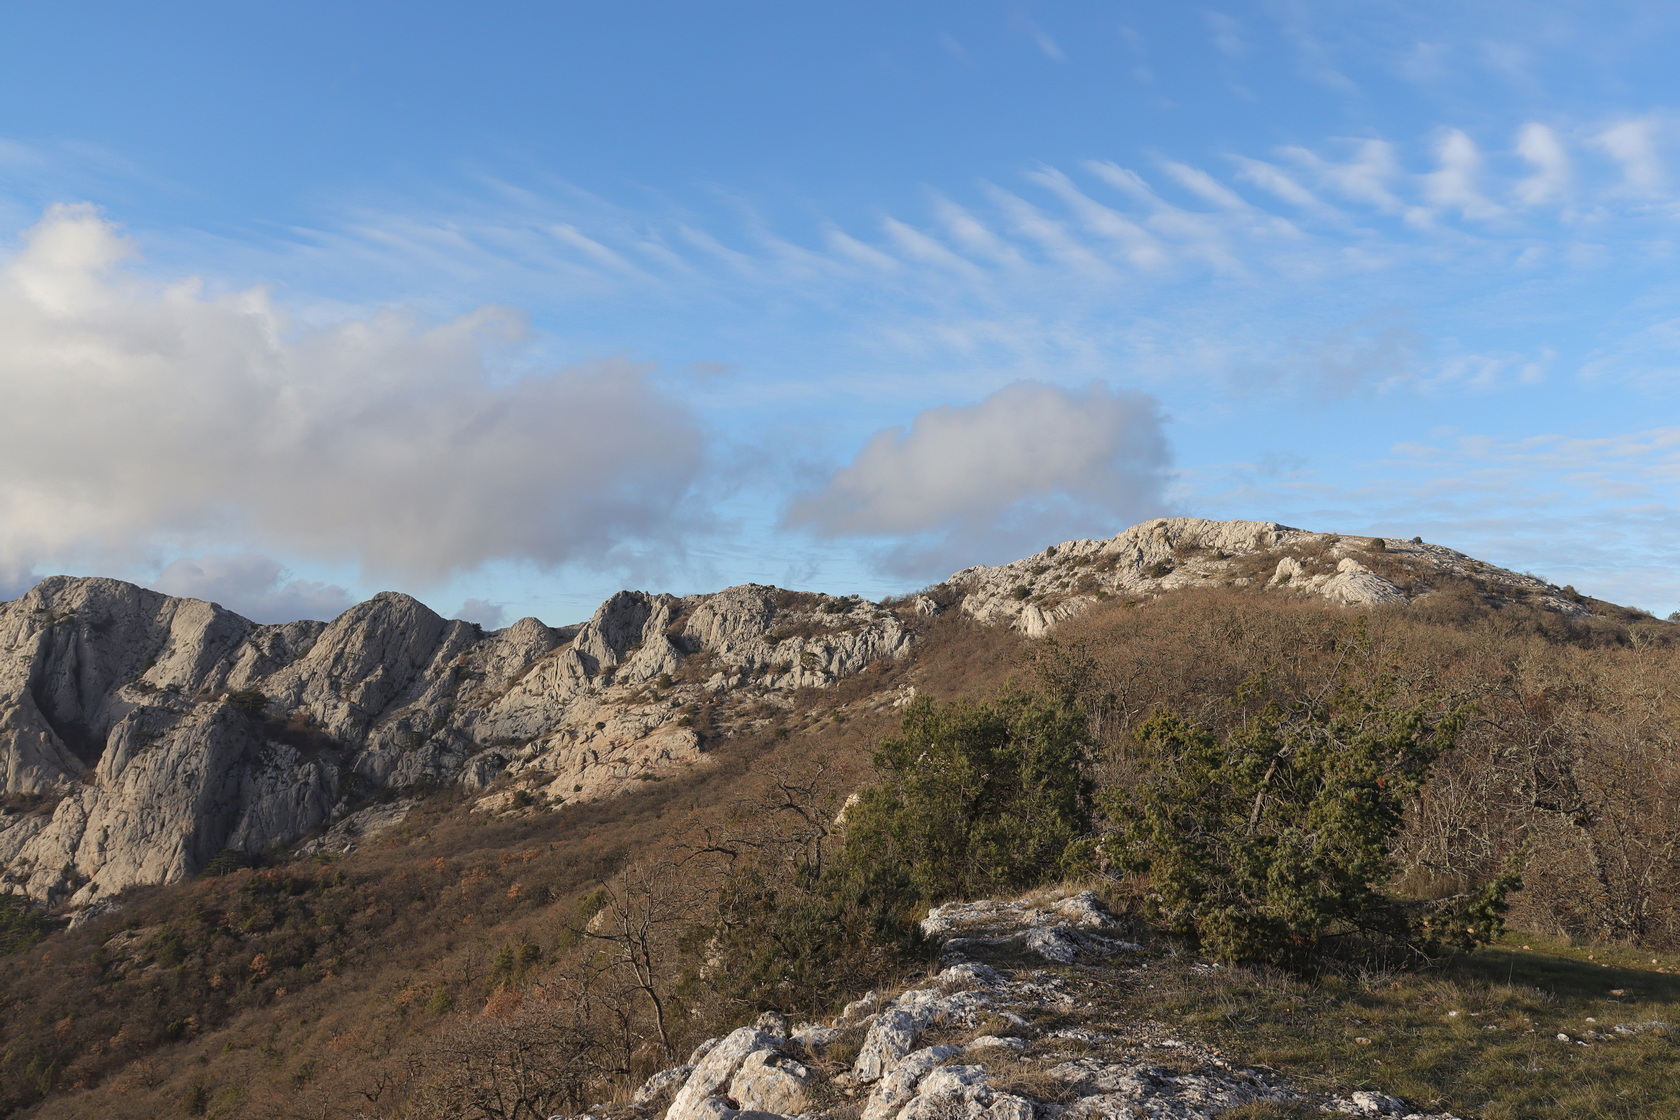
point(976, 798)
point(795, 922)
point(634, 928)
point(1273, 842)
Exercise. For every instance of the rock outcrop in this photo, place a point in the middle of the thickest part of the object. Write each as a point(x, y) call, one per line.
point(1099, 1070)
point(1170, 553)
point(141, 735)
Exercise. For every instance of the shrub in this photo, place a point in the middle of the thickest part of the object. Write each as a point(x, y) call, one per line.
point(226, 861)
point(22, 924)
point(248, 700)
point(811, 938)
point(1271, 842)
point(976, 797)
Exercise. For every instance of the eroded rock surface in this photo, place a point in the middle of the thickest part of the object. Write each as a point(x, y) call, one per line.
point(1033, 594)
point(141, 735)
point(934, 1052)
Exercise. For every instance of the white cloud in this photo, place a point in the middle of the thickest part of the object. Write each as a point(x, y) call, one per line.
point(1543, 148)
point(1454, 186)
point(1269, 177)
point(1048, 46)
point(1030, 464)
point(1199, 182)
point(1227, 33)
point(1633, 145)
point(1364, 178)
point(135, 415)
point(253, 585)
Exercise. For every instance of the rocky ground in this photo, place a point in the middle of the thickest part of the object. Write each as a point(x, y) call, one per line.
point(1172, 553)
point(1042, 1031)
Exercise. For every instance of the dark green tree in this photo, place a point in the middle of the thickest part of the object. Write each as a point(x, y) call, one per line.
point(1273, 843)
point(22, 924)
point(976, 798)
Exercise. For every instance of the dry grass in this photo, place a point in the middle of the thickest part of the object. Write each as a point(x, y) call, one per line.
point(1477, 1036)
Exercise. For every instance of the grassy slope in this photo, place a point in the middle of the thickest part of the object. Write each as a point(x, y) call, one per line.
point(1426, 1036)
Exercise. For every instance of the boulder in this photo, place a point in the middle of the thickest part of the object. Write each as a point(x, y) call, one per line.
point(714, 1071)
point(660, 1083)
point(769, 1082)
point(899, 1086)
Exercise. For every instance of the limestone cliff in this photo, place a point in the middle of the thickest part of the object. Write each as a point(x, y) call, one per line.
point(140, 734)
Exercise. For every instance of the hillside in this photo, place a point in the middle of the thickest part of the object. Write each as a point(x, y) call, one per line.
point(144, 735)
point(305, 861)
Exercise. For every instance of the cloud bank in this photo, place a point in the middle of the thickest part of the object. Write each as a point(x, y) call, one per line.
point(1030, 464)
point(138, 420)
point(256, 586)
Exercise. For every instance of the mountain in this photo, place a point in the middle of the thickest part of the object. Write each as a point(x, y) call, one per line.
point(142, 736)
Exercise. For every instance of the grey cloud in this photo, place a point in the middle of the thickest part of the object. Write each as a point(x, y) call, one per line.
point(137, 415)
point(482, 611)
point(253, 585)
point(1030, 464)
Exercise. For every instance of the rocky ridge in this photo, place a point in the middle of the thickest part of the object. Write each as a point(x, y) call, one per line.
point(1171, 553)
point(141, 735)
point(978, 1042)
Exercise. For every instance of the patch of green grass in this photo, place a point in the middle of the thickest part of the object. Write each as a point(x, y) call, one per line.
point(1477, 1035)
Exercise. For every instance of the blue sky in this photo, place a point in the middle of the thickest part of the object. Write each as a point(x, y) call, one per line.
point(510, 305)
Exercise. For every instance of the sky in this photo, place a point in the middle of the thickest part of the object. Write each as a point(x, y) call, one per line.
point(510, 305)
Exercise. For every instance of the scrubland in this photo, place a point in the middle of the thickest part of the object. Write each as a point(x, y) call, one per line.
point(542, 961)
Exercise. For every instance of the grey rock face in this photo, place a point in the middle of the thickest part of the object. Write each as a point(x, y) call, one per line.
point(1033, 594)
point(141, 734)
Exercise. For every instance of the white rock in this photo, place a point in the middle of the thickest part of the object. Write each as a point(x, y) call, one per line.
point(995, 1042)
point(813, 1038)
point(971, 973)
point(714, 1071)
point(898, 1086)
point(1084, 910)
point(660, 1082)
point(768, 1082)
point(891, 1036)
point(1056, 944)
point(948, 1091)
point(113, 700)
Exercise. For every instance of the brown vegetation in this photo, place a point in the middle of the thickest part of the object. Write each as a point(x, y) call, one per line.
point(541, 961)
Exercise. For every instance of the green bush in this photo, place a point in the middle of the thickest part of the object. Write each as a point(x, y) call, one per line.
point(810, 939)
point(972, 799)
point(1273, 842)
point(976, 798)
point(22, 924)
point(226, 862)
